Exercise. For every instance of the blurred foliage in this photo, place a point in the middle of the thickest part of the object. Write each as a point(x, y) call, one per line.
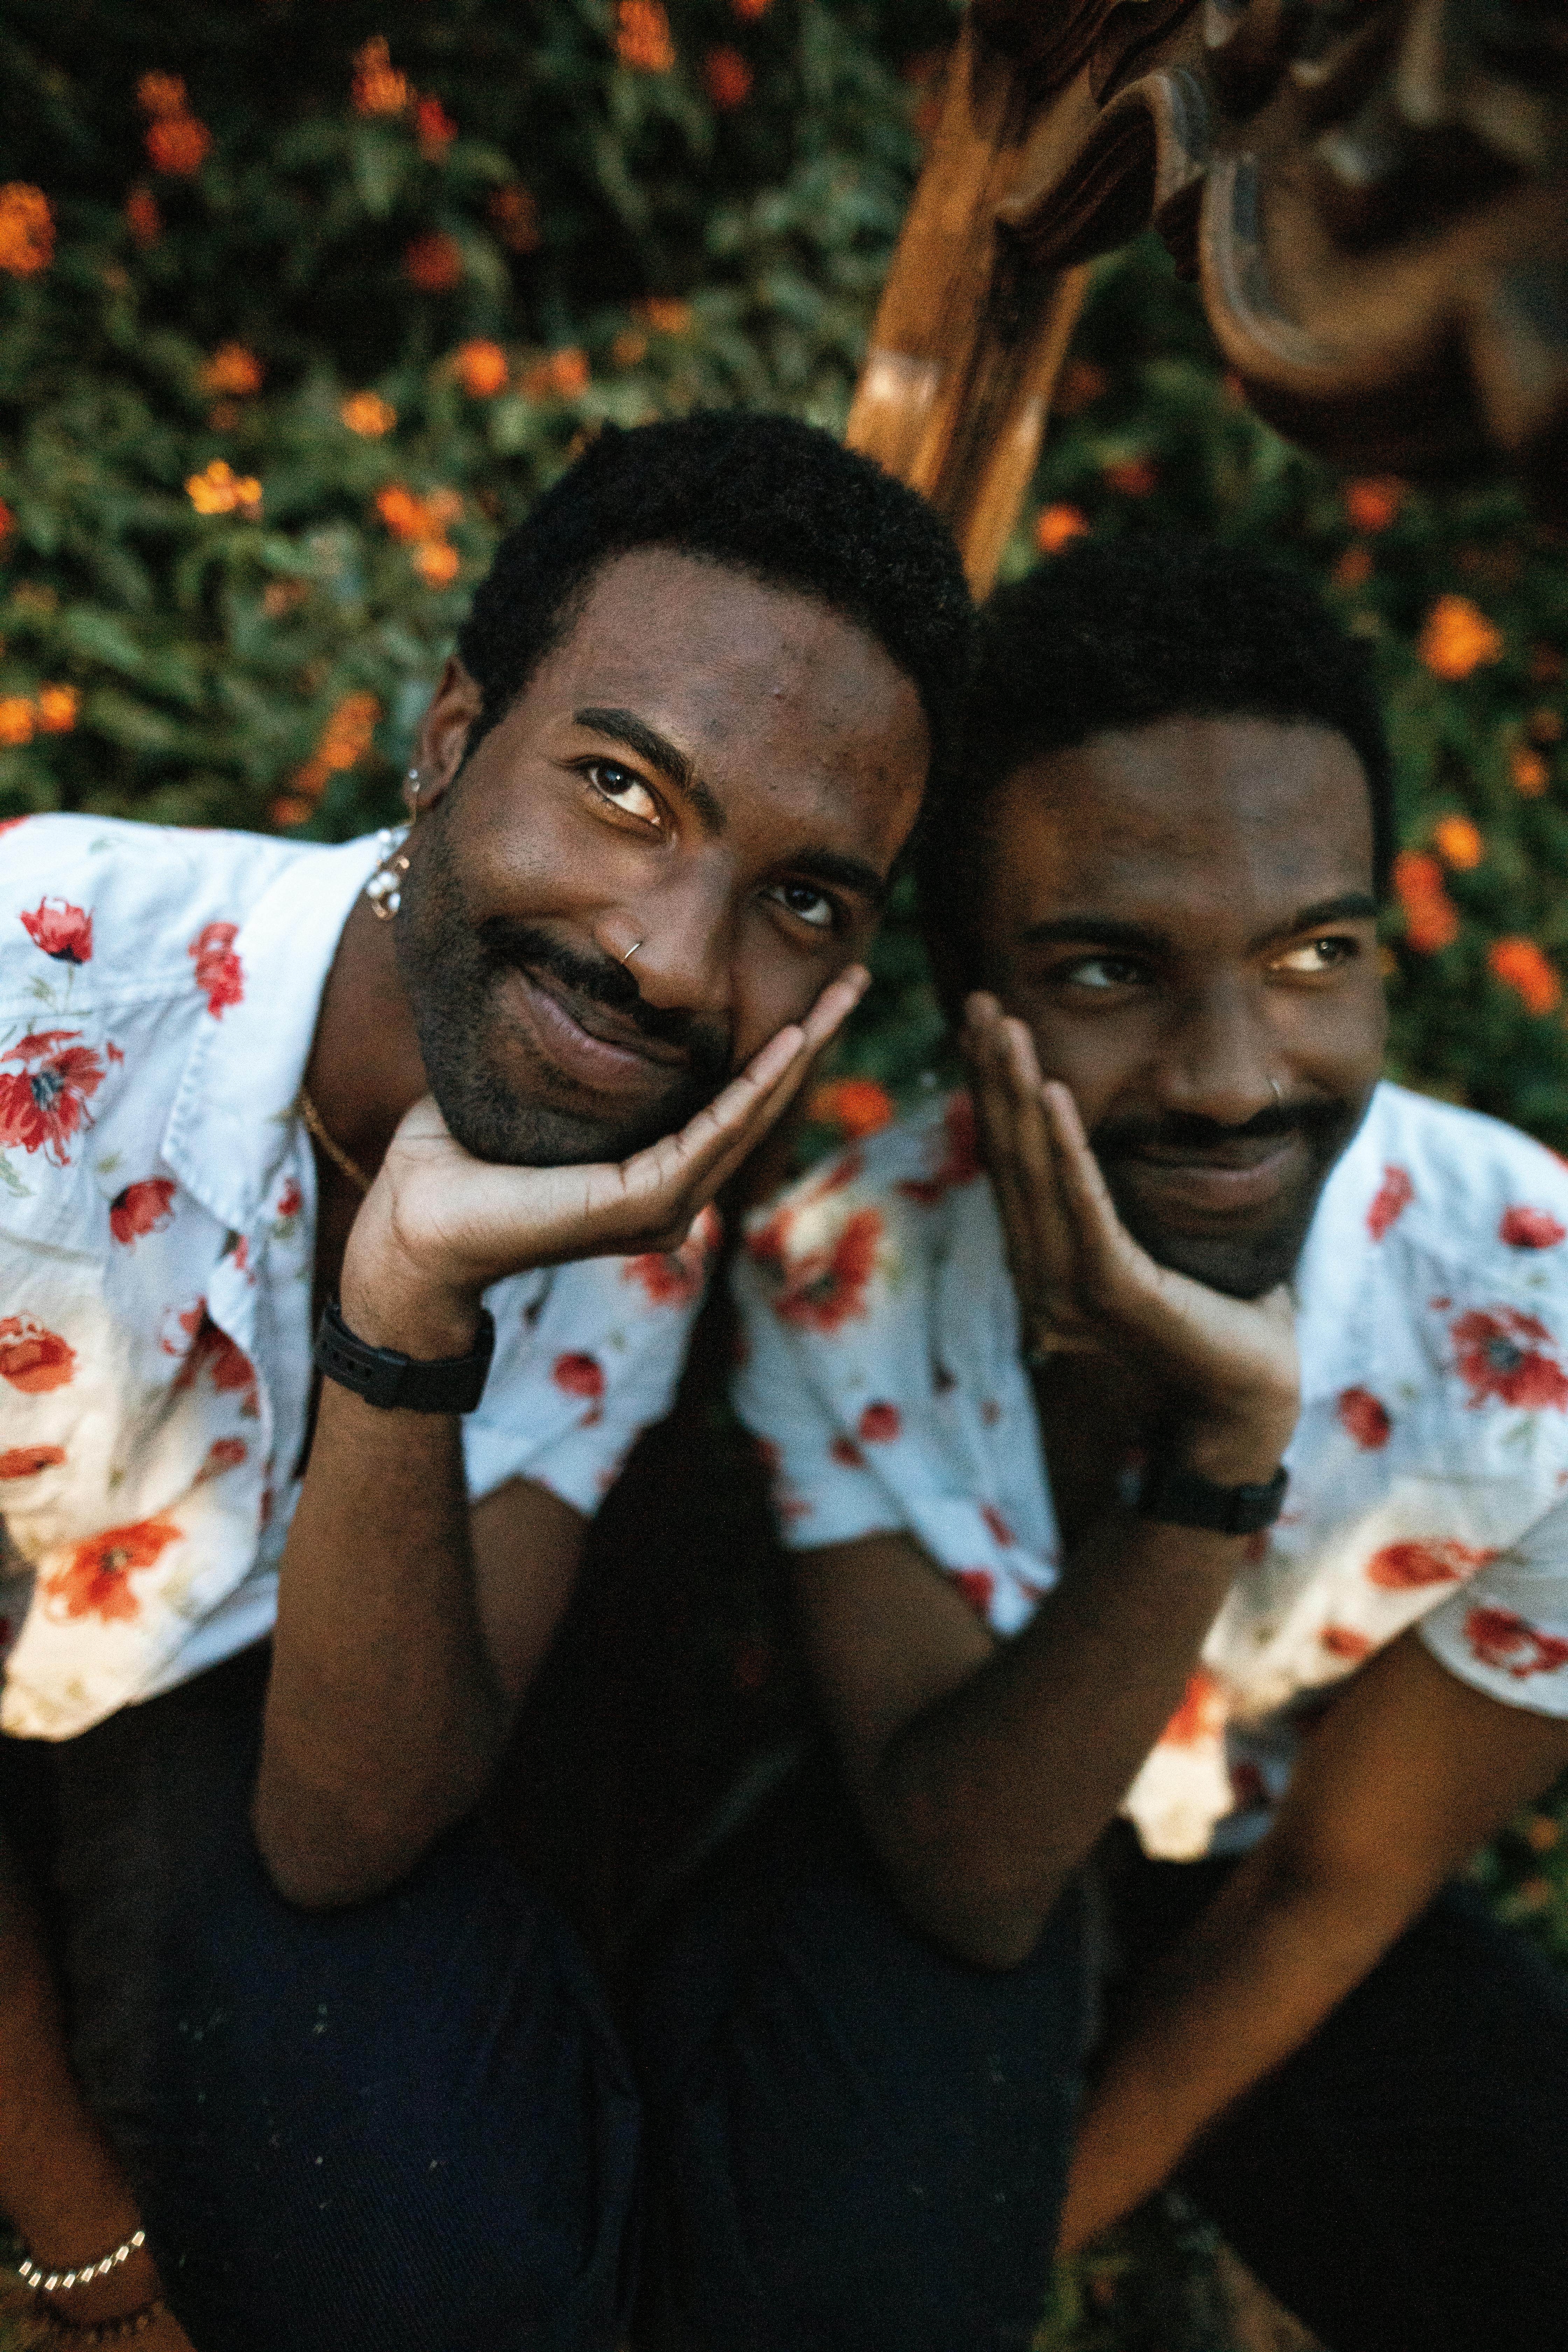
point(301, 308)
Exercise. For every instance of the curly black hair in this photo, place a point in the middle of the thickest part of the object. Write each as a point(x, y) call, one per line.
point(1121, 632)
point(778, 500)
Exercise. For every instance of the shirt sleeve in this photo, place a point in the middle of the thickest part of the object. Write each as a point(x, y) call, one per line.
point(783, 1392)
point(1506, 1632)
point(587, 1357)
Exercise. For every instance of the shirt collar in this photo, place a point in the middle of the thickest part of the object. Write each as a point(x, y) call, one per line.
point(233, 1114)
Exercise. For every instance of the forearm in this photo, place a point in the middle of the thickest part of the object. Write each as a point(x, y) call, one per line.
point(984, 1804)
point(385, 1714)
point(1247, 1985)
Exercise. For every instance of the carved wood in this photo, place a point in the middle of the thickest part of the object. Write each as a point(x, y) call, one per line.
point(1373, 194)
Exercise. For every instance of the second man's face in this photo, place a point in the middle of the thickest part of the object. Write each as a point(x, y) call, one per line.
point(1184, 917)
point(680, 832)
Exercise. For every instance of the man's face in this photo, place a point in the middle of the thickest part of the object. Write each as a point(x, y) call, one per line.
point(722, 772)
point(1182, 915)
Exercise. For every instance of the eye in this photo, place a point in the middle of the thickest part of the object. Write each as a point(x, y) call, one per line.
point(807, 903)
point(623, 790)
point(1102, 971)
point(1318, 955)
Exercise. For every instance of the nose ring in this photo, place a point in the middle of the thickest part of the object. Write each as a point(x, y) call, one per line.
point(631, 950)
point(1278, 1090)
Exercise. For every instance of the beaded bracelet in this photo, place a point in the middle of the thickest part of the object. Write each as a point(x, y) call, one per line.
point(44, 2282)
point(112, 2331)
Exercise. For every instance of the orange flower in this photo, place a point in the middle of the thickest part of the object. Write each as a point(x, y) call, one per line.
point(1057, 525)
point(1458, 638)
point(481, 368)
point(56, 709)
point(857, 1106)
point(410, 517)
point(642, 37)
point(142, 217)
point(728, 78)
point(438, 562)
point(1545, 724)
point(433, 262)
point(666, 314)
point(1431, 918)
point(8, 521)
point(163, 96)
point(219, 490)
point(233, 369)
point(1529, 772)
point(1546, 665)
point(1134, 478)
point(750, 10)
point(564, 374)
point(1459, 842)
point(377, 88)
point(179, 145)
point(27, 230)
point(95, 1583)
point(433, 128)
point(289, 808)
point(1373, 503)
point(367, 413)
point(1354, 568)
point(516, 216)
point(343, 742)
point(1519, 965)
point(629, 348)
point(16, 718)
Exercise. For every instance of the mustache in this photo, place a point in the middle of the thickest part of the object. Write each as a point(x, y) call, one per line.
point(509, 945)
point(1320, 1124)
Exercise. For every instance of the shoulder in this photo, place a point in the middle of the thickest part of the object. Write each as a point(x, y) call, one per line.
point(129, 906)
point(864, 1227)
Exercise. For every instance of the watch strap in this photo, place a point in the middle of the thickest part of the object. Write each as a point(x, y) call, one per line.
point(386, 1378)
point(1184, 1498)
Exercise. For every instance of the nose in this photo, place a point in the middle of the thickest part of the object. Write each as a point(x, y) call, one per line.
point(676, 939)
point(1218, 1059)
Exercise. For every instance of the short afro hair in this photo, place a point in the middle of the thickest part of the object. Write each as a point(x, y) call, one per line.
point(782, 502)
point(1118, 634)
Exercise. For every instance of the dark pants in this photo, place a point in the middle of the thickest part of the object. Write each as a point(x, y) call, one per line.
point(409, 2126)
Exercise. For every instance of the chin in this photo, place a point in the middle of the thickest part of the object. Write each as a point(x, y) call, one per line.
point(1241, 1265)
point(496, 1122)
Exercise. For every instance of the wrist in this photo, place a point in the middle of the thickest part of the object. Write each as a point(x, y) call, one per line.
point(389, 1301)
point(1240, 1453)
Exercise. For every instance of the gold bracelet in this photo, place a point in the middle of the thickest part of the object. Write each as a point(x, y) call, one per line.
point(44, 2282)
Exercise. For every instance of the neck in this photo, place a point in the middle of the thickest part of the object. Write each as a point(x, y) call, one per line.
point(364, 1069)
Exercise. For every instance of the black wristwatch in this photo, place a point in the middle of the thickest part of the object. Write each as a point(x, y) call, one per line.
point(386, 1377)
point(1183, 1498)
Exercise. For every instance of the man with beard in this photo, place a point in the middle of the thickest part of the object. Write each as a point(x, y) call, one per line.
point(1234, 1404)
point(458, 1101)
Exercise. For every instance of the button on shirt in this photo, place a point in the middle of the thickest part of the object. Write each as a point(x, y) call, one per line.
point(1428, 1473)
point(158, 997)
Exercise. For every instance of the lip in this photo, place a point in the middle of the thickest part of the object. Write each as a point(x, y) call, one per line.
point(589, 1045)
point(1230, 1183)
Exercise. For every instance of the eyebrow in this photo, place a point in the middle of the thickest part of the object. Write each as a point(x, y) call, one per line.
point(660, 753)
point(832, 867)
point(1350, 905)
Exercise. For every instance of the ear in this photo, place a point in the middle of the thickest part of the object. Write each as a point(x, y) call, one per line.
point(443, 736)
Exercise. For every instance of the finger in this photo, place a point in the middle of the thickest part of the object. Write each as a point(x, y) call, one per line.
point(1084, 1192)
point(1052, 1238)
point(834, 1006)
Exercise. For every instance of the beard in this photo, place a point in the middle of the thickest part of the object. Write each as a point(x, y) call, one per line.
point(501, 1098)
point(1255, 1258)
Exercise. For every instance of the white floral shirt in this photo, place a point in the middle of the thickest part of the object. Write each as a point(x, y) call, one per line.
point(158, 996)
point(881, 1372)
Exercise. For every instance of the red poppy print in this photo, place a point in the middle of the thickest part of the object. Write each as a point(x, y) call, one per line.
point(1403, 1567)
point(579, 1375)
point(1365, 1418)
point(1392, 1197)
point(823, 1289)
point(977, 1585)
point(291, 1200)
point(26, 1461)
point(45, 1104)
point(841, 1172)
point(1344, 1642)
point(218, 973)
point(960, 1161)
point(1201, 1716)
point(31, 1359)
point(847, 1454)
point(62, 930)
point(228, 1366)
point(997, 1525)
point(670, 1277)
point(1530, 1229)
point(96, 1581)
point(1511, 1645)
point(223, 1453)
point(878, 1424)
point(1511, 1356)
point(143, 1208)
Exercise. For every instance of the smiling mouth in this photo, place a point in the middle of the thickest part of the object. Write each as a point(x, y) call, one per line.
point(1228, 1180)
point(586, 1041)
